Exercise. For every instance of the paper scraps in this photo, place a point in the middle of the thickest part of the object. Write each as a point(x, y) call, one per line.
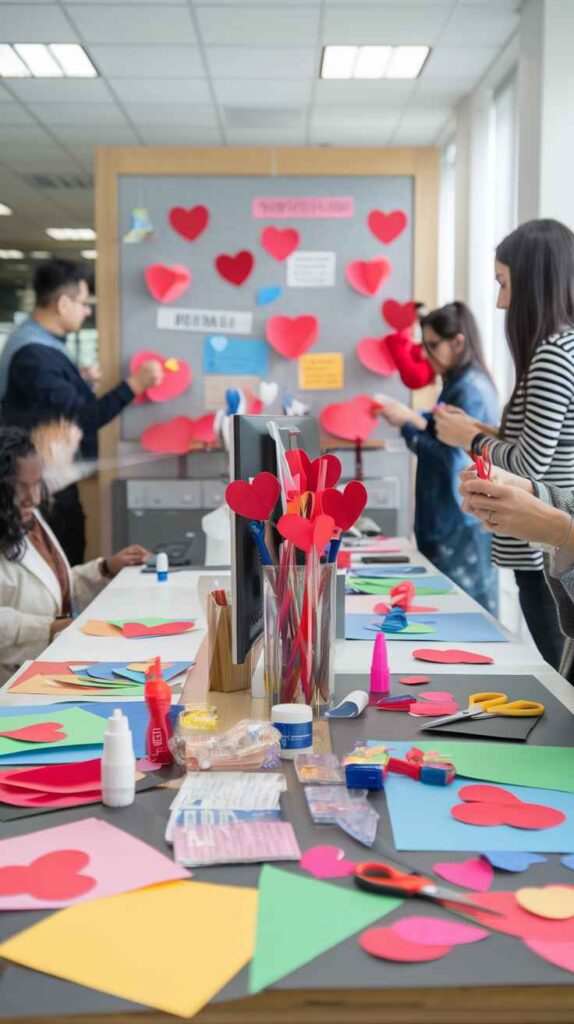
point(280, 243)
point(374, 355)
point(327, 862)
point(399, 315)
point(386, 944)
point(166, 284)
point(476, 874)
point(180, 435)
point(191, 223)
point(141, 226)
point(387, 226)
point(509, 860)
point(235, 269)
point(491, 805)
point(292, 336)
point(268, 294)
point(452, 657)
point(321, 371)
point(367, 276)
point(354, 420)
point(137, 628)
point(177, 377)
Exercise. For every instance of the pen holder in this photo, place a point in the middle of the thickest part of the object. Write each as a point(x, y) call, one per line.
point(224, 676)
point(299, 608)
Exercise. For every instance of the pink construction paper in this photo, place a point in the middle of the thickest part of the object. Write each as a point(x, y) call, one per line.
point(386, 944)
point(327, 862)
point(277, 207)
point(434, 931)
point(561, 954)
point(117, 861)
point(475, 874)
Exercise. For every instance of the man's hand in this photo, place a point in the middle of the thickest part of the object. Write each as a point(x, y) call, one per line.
point(146, 376)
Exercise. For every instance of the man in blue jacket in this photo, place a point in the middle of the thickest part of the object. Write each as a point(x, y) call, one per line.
point(39, 383)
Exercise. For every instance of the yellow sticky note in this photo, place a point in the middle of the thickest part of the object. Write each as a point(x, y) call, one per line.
point(206, 935)
point(171, 364)
point(322, 371)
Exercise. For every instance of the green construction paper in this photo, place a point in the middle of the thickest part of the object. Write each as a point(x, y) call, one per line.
point(383, 586)
point(537, 767)
point(81, 728)
point(108, 684)
point(299, 918)
point(147, 622)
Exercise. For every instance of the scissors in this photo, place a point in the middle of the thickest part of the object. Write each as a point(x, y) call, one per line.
point(483, 464)
point(481, 705)
point(385, 880)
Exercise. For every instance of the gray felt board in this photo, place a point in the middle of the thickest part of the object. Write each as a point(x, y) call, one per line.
point(498, 961)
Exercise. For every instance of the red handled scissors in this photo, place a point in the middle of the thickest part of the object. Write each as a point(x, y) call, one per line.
point(483, 464)
point(389, 881)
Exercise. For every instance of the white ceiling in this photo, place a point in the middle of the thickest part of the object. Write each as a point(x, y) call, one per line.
point(222, 72)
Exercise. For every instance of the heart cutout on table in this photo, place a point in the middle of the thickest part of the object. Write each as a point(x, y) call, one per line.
point(489, 794)
point(489, 806)
point(413, 680)
point(434, 931)
point(267, 294)
point(452, 657)
point(300, 465)
point(553, 902)
point(560, 954)
point(327, 862)
point(354, 420)
point(433, 710)
point(292, 336)
point(166, 284)
point(41, 732)
point(374, 355)
point(512, 919)
point(280, 242)
point(137, 630)
point(345, 506)
point(255, 500)
point(399, 315)
point(367, 276)
point(191, 223)
point(386, 944)
point(476, 873)
point(512, 860)
point(54, 876)
point(307, 533)
point(176, 378)
point(235, 269)
point(387, 226)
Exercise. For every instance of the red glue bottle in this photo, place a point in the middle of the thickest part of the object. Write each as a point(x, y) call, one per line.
point(158, 699)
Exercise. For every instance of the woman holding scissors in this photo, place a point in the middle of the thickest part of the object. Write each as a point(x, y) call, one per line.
point(445, 534)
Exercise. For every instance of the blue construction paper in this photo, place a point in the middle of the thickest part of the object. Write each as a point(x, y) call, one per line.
point(568, 861)
point(506, 860)
point(466, 627)
point(268, 294)
point(241, 356)
point(426, 586)
point(168, 673)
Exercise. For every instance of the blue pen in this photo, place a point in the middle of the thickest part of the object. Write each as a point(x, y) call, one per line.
point(334, 549)
point(256, 529)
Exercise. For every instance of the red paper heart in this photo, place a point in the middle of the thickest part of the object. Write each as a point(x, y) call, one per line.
point(374, 355)
point(560, 954)
point(402, 595)
point(166, 284)
point(204, 429)
point(176, 436)
point(487, 815)
point(300, 465)
point(174, 381)
point(54, 876)
point(135, 630)
point(492, 805)
point(327, 862)
point(56, 778)
point(291, 336)
point(367, 276)
point(399, 316)
point(345, 506)
point(413, 680)
point(452, 657)
point(352, 421)
point(190, 223)
point(514, 920)
point(387, 226)
point(255, 500)
point(41, 732)
point(386, 944)
point(307, 533)
point(280, 243)
point(488, 794)
point(435, 709)
point(235, 269)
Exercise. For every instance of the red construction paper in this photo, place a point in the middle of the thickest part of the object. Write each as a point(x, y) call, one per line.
point(374, 355)
point(42, 732)
point(412, 680)
point(56, 778)
point(519, 922)
point(434, 710)
point(135, 630)
point(536, 816)
point(327, 862)
point(16, 797)
point(174, 381)
point(489, 794)
point(345, 506)
point(453, 656)
point(235, 269)
point(399, 315)
point(387, 226)
point(354, 420)
point(416, 609)
point(498, 807)
point(386, 944)
point(255, 500)
point(166, 284)
point(476, 874)
point(190, 224)
point(367, 276)
point(480, 814)
point(410, 360)
point(54, 876)
point(300, 463)
point(306, 533)
point(552, 902)
point(280, 243)
point(437, 931)
point(561, 954)
point(292, 336)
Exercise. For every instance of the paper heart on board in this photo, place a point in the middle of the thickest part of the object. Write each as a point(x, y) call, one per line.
point(166, 284)
point(386, 944)
point(345, 506)
point(553, 902)
point(452, 657)
point(176, 377)
point(387, 226)
point(218, 342)
point(513, 860)
point(176, 436)
point(54, 876)
point(280, 243)
point(235, 269)
point(354, 420)
point(268, 391)
point(374, 355)
point(300, 464)
point(399, 316)
point(326, 862)
point(41, 732)
point(476, 874)
point(433, 931)
point(307, 533)
point(267, 294)
point(291, 336)
point(561, 954)
point(190, 224)
point(255, 500)
point(491, 806)
point(367, 276)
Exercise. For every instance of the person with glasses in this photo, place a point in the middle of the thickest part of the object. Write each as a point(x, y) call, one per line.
point(40, 384)
point(452, 540)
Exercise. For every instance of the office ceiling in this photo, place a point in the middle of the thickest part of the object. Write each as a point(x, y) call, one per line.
point(220, 72)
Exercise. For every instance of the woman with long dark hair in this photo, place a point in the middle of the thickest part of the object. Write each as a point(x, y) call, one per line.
point(453, 541)
point(535, 272)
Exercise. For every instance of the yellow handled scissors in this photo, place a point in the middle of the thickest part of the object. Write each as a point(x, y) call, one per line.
point(481, 705)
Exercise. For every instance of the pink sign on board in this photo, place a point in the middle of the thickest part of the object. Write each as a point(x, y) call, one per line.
point(310, 206)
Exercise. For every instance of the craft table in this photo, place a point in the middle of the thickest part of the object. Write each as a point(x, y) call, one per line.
point(497, 980)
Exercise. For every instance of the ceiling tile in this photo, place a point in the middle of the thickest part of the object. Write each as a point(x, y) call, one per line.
point(156, 90)
point(451, 62)
point(347, 135)
point(354, 93)
point(161, 23)
point(169, 113)
point(23, 133)
point(373, 117)
point(61, 90)
point(153, 61)
point(95, 135)
point(385, 23)
point(26, 157)
point(265, 136)
point(474, 25)
point(268, 63)
point(33, 23)
point(237, 92)
point(67, 113)
point(435, 92)
point(13, 113)
point(423, 120)
point(181, 135)
point(268, 25)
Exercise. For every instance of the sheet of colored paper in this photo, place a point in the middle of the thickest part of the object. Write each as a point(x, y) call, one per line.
point(467, 627)
point(96, 627)
point(99, 944)
point(78, 728)
point(45, 685)
point(537, 767)
point(383, 585)
point(321, 371)
point(235, 356)
point(311, 269)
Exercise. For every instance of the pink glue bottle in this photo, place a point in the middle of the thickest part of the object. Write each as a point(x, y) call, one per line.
point(380, 684)
point(158, 699)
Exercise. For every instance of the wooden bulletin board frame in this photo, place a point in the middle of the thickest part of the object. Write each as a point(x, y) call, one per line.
point(422, 164)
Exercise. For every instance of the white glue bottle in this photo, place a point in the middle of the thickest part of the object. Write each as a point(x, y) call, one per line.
point(161, 567)
point(118, 763)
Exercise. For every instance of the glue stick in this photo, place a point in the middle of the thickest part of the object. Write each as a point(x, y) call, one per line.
point(118, 763)
point(161, 567)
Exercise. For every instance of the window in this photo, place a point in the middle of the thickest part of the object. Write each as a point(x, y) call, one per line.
point(447, 214)
point(504, 169)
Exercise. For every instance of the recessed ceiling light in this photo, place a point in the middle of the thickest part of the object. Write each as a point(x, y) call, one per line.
point(39, 59)
point(40, 254)
point(73, 60)
point(11, 254)
point(338, 61)
point(89, 254)
point(55, 60)
point(5, 211)
point(10, 64)
point(71, 234)
point(407, 61)
point(373, 61)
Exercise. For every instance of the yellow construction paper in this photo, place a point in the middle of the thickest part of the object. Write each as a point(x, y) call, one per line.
point(322, 371)
point(96, 627)
point(171, 946)
point(555, 902)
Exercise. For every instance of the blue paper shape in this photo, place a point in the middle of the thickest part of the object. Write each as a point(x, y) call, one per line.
point(268, 294)
point(466, 627)
point(233, 400)
point(395, 620)
point(568, 861)
point(507, 860)
point(235, 356)
point(113, 669)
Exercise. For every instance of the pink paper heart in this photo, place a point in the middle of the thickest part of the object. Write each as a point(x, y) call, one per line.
point(326, 862)
point(367, 276)
point(40, 732)
point(374, 355)
point(291, 336)
point(476, 874)
point(166, 284)
point(434, 709)
point(280, 242)
point(433, 931)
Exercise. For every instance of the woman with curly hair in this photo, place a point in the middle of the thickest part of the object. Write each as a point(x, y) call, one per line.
point(39, 592)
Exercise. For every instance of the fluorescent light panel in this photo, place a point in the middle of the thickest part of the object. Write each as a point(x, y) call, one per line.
point(11, 254)
point(10, 64)
point(57, 60)
point(89, 254)
point(39, 59)
point(73, 60)
point(373, 62)
point(40, 254)
point(71, 234)
point(5, 211)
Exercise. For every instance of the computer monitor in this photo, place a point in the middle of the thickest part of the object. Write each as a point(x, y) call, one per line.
point(253, 450)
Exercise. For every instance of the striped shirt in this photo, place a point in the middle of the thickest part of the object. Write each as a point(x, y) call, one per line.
point(539, 435)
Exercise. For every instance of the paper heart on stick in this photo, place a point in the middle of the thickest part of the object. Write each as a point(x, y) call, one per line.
point(190, 224)
point(387, 226)
point(399, 316)
point(307, 533)
point(41, 732)
point(166, 284)
point(280, 243)
point(345, 506)
point(354, 420)
point(367, 276)
point(292, 336)
point(235, 269)
point(176, 377)
point(374, 355)
point(255, 500)
point(300, 463)
point(54, 876)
